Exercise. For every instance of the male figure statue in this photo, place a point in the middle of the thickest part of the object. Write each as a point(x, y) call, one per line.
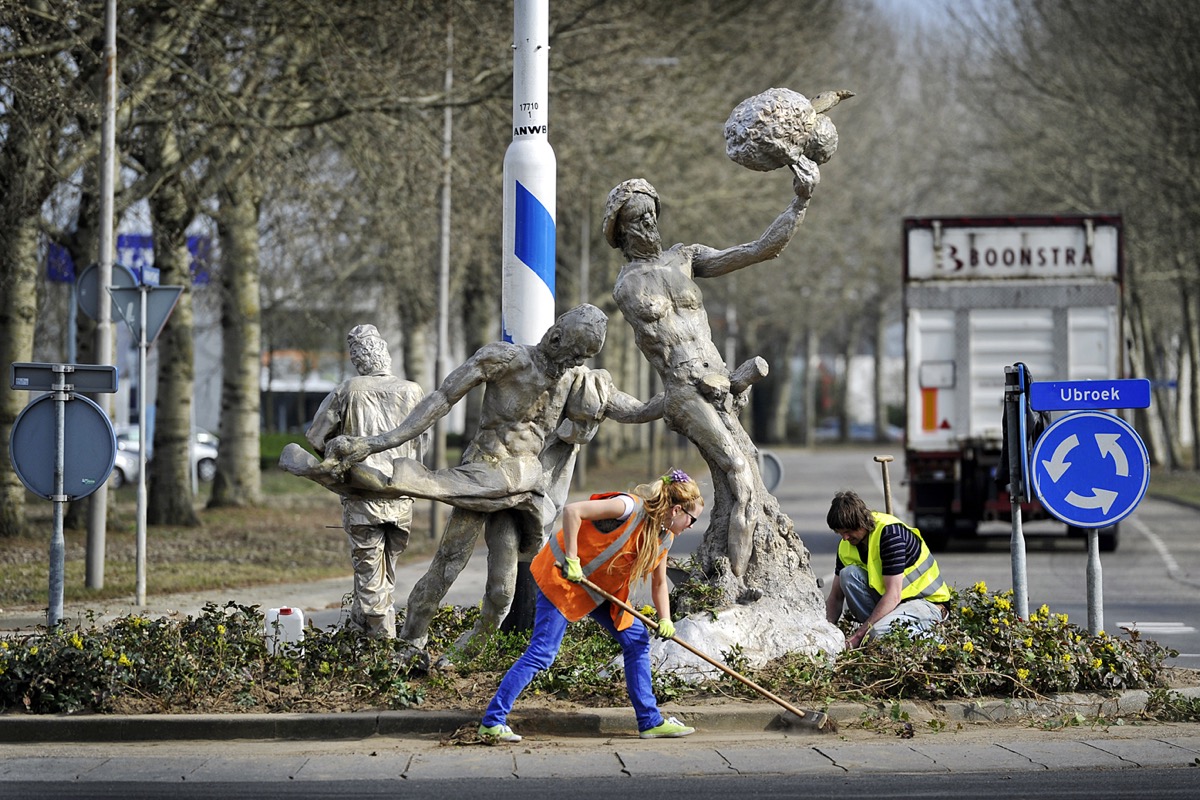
point(500, 487)
point(377, 528)
point(659, 298)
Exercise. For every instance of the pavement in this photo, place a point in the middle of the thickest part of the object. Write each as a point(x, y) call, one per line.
point(1065, 732)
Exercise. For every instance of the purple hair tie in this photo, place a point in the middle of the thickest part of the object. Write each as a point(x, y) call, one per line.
point(676, 476)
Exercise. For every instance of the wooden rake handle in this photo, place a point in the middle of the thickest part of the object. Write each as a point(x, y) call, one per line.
point(654, 625)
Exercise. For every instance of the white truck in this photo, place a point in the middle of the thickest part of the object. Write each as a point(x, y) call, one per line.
point(982, 294)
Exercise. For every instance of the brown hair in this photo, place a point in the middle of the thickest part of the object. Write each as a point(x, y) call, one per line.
point(848, 512)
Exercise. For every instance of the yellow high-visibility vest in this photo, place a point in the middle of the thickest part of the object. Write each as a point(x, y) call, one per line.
point(922, 580)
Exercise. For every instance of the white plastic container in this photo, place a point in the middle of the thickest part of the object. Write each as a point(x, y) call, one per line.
point(283, 626)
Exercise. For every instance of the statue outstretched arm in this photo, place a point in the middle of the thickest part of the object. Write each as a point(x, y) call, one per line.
point(628, 409)
point(708, 262)
point(487, 362)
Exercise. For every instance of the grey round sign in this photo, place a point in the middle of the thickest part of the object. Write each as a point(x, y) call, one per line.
point(90, 447)
point(771, 469)
point(88, 289)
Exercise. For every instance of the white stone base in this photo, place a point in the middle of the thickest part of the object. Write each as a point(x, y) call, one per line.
point(765, 631)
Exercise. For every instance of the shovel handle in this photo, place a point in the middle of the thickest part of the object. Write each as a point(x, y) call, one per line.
point(887, 482)
point(652, 624)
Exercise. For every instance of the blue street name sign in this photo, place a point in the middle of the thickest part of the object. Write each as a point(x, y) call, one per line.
point(1077, 395)
point(1090, 469)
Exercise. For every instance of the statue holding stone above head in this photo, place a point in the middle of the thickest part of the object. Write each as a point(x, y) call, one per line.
point(658, 295)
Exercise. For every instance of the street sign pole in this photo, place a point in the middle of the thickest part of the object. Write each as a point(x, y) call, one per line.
point(27, 449)
point(1095, 584)
point(1014, 410)
point(145, 319)
point(143, 447)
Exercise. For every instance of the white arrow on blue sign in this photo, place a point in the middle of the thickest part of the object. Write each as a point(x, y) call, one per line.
point(1090, 469)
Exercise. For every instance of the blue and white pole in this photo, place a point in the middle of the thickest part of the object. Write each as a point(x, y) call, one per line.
point(527, 304)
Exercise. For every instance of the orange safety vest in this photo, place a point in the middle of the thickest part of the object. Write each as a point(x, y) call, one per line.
point(606, 559)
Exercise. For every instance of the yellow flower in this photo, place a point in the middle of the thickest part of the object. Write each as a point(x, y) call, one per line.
point(1028, 642)
point(4, 645)
point(969, 646)
point(124, 661)
point(325, 669)
point(1022, 674)
point(33, 650)
point(220, 630)
point(647, 610)
point(76, 641)
point(1062, 618)
point(1066, 658)
point(941, 648)
point(1044, 610)
point(1003, 604)
point(108, 652)
point(1097, 663)
point(980, 587)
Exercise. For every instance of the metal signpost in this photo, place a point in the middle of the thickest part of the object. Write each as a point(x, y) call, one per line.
point(1016, 384)
point(145, 310)
point(84, 446)
point(1090, 469)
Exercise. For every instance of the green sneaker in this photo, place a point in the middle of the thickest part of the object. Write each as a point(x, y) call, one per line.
point(670, 728)
point(501, 733)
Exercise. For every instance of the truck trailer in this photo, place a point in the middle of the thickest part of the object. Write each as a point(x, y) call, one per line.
point(982, 294)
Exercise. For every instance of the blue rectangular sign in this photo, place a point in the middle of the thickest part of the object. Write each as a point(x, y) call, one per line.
point(1096, 395)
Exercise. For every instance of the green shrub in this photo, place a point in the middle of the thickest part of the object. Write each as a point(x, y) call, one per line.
point(216, 659)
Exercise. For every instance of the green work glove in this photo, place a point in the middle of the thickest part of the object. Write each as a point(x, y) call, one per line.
point(666, 628)
point(572, 571)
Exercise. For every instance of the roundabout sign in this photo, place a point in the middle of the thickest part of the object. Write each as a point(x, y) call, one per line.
point(1090, 469)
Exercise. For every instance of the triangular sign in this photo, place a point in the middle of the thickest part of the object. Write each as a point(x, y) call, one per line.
point(160, 302)
point(945, 425)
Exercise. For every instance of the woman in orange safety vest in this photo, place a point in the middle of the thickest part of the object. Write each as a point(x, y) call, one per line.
point(613, 540)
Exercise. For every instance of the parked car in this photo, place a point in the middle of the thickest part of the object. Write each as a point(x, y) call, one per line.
point(125, 466)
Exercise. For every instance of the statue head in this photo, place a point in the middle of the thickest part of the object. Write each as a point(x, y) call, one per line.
point(575, 336)
point(368, 351)
point(618, 198)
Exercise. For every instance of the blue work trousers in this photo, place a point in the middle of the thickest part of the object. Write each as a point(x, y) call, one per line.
point(549, 627)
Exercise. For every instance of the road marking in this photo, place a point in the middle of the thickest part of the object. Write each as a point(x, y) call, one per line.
point(1158, 627)
point(1173, 570)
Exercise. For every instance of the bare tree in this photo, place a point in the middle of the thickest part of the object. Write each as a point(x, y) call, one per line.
point(1095, 106)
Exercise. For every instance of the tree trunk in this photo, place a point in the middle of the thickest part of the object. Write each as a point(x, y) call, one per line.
point(812, 370)
point(239, 472)
point(170, 473)
point(880, 381)
point(417, 365)
point(1189, 301)
point(18, 307)
point(1158, 416)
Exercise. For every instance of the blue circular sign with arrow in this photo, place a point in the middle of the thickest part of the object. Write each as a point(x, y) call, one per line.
point(1090, 469)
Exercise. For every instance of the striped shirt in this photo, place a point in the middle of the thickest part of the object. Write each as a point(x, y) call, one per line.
point(899, 549)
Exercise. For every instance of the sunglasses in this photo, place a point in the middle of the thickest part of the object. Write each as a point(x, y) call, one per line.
point(691, 519)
